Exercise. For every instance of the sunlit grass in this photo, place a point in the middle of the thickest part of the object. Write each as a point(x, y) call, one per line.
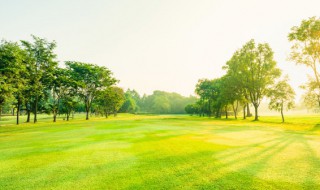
point(161, 152)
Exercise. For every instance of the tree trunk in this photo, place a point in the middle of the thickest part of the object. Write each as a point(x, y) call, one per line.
point(28, 112)
point(68, 114)
point(28, 116)
point(235, 109)
point(0, 112)
point(87, 109)
point(244, 111)
point(314, 68)
point(54, 116)
point(256, 117)
point(13, 112)
point(56, 110)
point(209, 109)
point(226, 108)
point(87, 115)
point(18, 111)
point(282, 113)
point(35, 109)
point(248, 111)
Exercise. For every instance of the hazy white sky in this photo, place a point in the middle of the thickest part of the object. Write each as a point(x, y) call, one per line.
point(164, 44)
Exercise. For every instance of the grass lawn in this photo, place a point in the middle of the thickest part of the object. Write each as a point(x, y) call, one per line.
point(161, 152)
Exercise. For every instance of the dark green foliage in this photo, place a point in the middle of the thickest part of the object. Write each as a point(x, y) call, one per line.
point(210, 101)
point(132, 102)
point(192, 109)
point(159, 102)
point(89, 79)
point(62, 89)
point(13, 74)
point(110, 100)
point(30, 80)
point(250, 73)
point(256, 63)
point(41, 65)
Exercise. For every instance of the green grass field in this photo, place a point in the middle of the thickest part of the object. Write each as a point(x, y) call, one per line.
point(161, 152)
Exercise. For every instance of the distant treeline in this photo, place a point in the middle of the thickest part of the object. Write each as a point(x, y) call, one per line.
point(159, 102)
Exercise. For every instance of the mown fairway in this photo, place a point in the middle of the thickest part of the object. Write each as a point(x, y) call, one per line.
point(161, 152)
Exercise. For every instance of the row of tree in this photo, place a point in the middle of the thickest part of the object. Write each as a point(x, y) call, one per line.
point(31, 80)
point(159, 102)
point(252, 74)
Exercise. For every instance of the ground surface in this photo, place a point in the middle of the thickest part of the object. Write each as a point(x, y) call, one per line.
point(161, 152)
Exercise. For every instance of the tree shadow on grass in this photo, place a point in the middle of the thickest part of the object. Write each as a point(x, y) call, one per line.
point(247, 175)
point(315, 128)
point(314, 161)
point(60, 175)
point(232, 168)
point(203, 169)
point(208, 170)
point(252, 164)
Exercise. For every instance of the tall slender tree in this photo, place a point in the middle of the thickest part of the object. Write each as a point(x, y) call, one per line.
point(237, 77)
point(62, 86)
point(281, 97)
point(40, 69)
point(305, 50)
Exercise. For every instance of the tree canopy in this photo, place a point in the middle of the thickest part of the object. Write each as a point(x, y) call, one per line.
point(305, 50)
point(89, 80)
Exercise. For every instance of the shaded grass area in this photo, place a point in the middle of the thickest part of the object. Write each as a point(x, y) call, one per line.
point(161, 152)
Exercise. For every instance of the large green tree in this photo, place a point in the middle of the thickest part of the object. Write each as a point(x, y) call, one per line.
point(40, 67)
point(12, 72)
point(21, 83)
point(110, 100)
point(89, 80)
point(206, 92)
point(236, 81)
point(62, 88)
point(260, 69)
point(192, 109)
point(209, 92)
point(231, 94)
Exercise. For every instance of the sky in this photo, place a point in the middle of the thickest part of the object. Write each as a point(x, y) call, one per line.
point(159, 44)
